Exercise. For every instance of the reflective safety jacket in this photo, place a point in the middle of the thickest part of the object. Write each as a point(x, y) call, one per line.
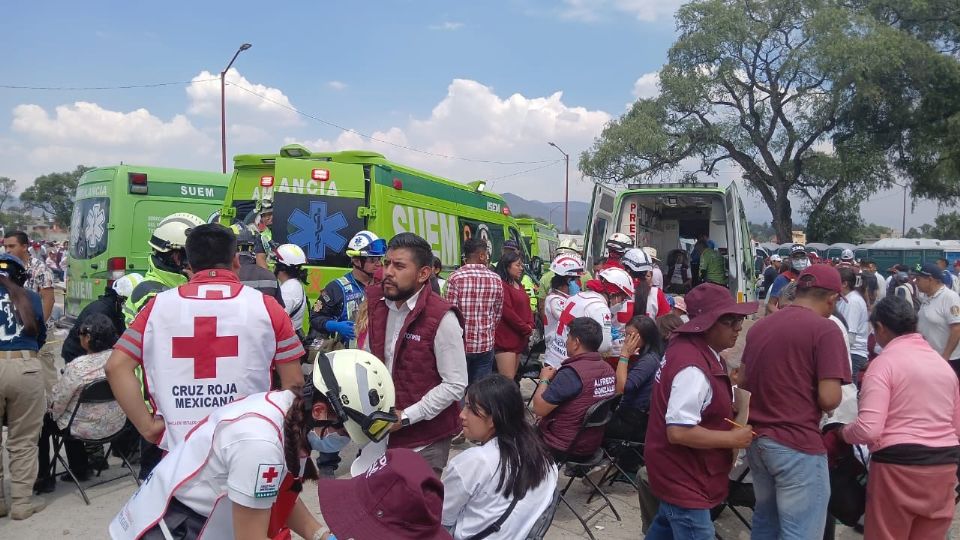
point(155, 282)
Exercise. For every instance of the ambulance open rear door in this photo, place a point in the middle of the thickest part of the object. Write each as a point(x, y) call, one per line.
point(600, 223)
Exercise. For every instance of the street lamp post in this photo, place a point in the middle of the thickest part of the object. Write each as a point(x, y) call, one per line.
point(552, 210)
point(566, 192)
point(223, 107)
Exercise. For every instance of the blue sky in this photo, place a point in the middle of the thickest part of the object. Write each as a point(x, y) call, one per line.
point(491, 80)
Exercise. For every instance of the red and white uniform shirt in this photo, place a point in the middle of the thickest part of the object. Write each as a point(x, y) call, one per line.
point(583, 304)
point(205, 344)
point(552, 309)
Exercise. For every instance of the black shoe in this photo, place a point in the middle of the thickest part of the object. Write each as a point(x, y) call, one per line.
point(45, 485)
point(82, 477)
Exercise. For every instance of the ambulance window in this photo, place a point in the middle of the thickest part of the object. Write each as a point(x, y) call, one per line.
point(88, 227)
point(598, 241)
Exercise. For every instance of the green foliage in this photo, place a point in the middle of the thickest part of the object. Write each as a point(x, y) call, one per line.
point(53, 194)
point(762, 232)
point(7, 186)
point(944, 227)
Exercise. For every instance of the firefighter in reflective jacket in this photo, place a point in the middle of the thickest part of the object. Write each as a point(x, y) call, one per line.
point(336, 309)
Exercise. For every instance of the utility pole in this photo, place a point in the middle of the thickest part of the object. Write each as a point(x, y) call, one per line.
point(223, 107)
point(903, 230)
point(566, 194)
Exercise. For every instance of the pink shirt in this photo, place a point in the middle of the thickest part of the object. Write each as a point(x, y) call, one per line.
point(910, 395)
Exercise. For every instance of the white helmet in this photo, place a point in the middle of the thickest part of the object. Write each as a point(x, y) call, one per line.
point(619, 243)
point(359, 389)
point(619, 279)
point(637, 260)
point(124, 286)
point(366, 244)
point(567, 265)
point(568, 245)
point(847, 255)
point(171, 232)
point(290, 255)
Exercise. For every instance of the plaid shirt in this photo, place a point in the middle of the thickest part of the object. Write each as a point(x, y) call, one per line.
point(477, 292)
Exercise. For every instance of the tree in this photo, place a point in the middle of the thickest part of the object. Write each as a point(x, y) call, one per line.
point(761, 232)
point(53, 194)
point(944, 227)
point(7, 185)
point(759, 83)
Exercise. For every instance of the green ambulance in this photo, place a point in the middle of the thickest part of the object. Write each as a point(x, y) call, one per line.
point(321, 199)
point(541, 240)
point(115, 211)
point(671, 216)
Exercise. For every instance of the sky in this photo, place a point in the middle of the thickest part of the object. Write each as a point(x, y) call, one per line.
point(466, 90)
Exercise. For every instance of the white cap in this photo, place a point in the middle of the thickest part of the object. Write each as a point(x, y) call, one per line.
point(776, 258)
point(847, 255)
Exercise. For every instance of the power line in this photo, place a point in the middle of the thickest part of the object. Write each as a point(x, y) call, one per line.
point(494, 179)
point(372, 138)
point(120, 87)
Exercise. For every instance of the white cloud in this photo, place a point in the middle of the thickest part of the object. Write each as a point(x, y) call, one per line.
point(473, 121)
point(243, 98)
point(337, 85)
point(448, 26)
point(647, 86)
point(643, 10)
point(86, 133)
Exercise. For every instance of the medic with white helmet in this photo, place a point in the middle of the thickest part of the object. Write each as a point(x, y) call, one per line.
point(567, 269)
point(616, 245)
point(638, 263)
point(336, 309)
point(612, 287)
point(567, 246)
point(239, 474)
point(292, 276)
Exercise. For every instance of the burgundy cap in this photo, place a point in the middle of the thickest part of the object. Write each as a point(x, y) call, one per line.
point(399, 497)
point(822, 276)
point(708, 302)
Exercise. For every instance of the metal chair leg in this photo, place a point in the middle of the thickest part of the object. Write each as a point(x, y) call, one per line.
point(605, 498)
point(582, 522)
point(74, 478)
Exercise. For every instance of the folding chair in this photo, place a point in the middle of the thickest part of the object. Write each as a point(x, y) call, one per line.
point(542, 525)
point(529, 368)
point(597, 417)
point(615, 450)
point(95, 392)
point(741, 494)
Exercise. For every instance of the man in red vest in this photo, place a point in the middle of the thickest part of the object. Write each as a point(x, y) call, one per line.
point(419, 337)
point(689, 437)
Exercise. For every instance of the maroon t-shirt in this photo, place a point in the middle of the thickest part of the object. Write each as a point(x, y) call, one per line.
point(785, 357)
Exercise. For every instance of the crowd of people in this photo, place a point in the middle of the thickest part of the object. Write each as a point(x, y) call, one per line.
point(239, 389)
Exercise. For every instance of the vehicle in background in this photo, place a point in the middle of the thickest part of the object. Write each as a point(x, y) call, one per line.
point(541, 241)
point(321, 199)
point(116, 210)
point(668, 217)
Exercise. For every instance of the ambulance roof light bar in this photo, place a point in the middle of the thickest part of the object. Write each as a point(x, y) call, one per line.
point(675, 185)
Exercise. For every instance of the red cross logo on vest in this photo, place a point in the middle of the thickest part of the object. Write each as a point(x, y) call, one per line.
point(205, 346)
point(270, 474)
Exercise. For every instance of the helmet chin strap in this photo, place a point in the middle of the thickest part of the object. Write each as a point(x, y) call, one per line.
point(360, 268)
point(164, 261)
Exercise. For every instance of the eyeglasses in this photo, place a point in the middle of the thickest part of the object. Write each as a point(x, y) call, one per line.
point(375, 425)
point(735, 323)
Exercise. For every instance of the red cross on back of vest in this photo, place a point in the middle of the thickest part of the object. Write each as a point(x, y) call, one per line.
point(205, 346)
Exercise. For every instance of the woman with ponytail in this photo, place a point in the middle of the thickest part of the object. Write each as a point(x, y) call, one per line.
point(22, 333)
point(240, 472)
point(511, 473)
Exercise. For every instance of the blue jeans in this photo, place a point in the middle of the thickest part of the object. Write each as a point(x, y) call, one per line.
point(858, 363)
point(479, 365)
point(674, 522)
point(792, 490)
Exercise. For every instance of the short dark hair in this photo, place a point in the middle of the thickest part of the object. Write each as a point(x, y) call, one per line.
point(587, 331)
point(420, 250)
point(896, 314)
point(102, 332)
point(558, 281)
point(473, 245)
point(210, 245)
point(21, 237)
point(944, 261)
point(848, 277)
point(437, 263)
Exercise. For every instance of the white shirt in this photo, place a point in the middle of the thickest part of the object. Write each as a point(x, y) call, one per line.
point(552, 308)
point(690, 394)
point(239, 451)
point(584, 304)
point(657, 276)
point(294, 301)
point(451, 360)
point(846, 412)
point(471, 501)
point(937, 313)
point(854, 311)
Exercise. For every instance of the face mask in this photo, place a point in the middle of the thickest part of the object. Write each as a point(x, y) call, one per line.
point(331, 443)
point(574, 286)
point(801, 264)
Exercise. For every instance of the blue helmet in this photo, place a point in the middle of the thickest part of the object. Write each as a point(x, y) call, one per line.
point(13, 268)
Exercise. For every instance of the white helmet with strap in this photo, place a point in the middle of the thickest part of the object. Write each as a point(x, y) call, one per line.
point(619, 243)
point(290, 255)
point(360, 391)
point(619, 279)
point(124, 286)
point(568, 245)
point(636, 260)
point(567, 265)
point(171, 232)
point(366, 244)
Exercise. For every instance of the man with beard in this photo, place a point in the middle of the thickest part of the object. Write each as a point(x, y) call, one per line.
point(419, 337)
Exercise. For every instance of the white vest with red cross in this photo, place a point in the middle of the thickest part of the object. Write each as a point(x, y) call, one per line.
point(149, 503)
point(205, 345)
point(583, 304)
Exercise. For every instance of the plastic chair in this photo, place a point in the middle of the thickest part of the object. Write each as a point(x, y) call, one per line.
point(95, 392)
point(597, 417)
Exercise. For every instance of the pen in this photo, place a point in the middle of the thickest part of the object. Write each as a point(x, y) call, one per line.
point(729, 421)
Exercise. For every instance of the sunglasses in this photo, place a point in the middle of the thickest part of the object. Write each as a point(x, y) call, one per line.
point(375, 425)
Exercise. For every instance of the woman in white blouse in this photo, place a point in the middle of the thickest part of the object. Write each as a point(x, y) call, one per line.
point(510, 475)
